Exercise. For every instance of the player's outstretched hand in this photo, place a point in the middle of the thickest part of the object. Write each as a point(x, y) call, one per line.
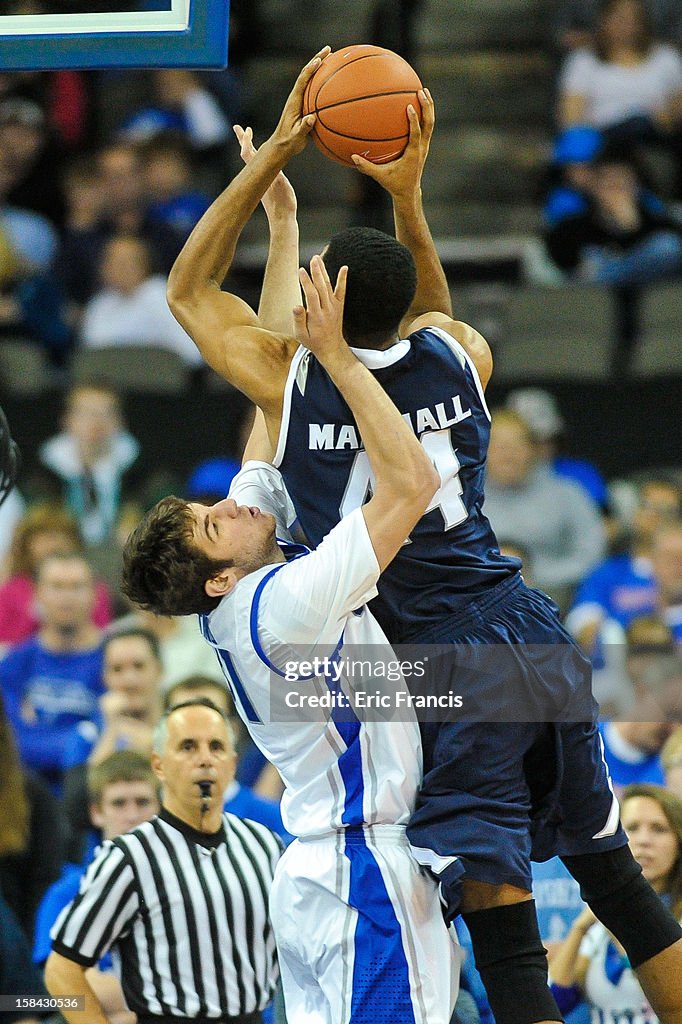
point(293, 129)
point(280, 198)
point(403, 176)
point(319, 326)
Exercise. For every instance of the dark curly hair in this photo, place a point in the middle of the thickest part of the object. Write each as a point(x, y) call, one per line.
point(382, 281)
point(163, 570)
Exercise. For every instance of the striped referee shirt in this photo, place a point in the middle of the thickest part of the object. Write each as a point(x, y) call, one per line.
point(185, 914)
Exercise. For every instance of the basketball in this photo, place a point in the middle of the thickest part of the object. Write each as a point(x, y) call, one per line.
point(360, 95)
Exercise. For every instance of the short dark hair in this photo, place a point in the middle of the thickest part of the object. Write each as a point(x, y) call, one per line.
point(115, 632)
point(382, 281)
point(163, 570)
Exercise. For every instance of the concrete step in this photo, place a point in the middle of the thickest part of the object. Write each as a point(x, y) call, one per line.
point(457, 25)
point(487, 87)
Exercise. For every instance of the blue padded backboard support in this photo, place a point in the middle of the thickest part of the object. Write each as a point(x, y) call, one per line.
point(193, 34)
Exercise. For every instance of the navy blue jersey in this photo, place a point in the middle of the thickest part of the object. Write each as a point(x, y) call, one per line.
point(452, 554)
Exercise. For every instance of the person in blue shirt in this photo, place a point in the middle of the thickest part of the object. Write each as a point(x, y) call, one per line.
point(623, 586)
point(123, 792)
point(53, 681)
point(128, 711)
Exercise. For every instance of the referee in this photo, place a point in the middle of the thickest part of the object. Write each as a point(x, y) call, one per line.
point(182, 900)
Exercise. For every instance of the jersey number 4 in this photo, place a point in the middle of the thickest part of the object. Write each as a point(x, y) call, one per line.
point(448, 497)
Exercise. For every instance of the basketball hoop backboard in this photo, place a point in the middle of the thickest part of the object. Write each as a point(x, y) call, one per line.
point(187, 33)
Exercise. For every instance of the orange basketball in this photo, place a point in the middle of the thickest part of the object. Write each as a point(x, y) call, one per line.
point(360, 95)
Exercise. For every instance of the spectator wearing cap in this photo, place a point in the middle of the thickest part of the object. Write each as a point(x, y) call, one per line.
point(623, 236)
point(570, 173)
point(540, 410)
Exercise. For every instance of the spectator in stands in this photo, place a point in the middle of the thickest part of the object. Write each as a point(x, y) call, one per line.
point(30, 156)
point(647, 637)
point(666, 562)
point(53, 680)
point(17, 973)
point(181, 103)
point(92, 463)
point(32, 834)
point(181, 645)
point(130, 707)
point(122, 793)
point(168, 175)
point(131, 308)
point(624, 236)
point(570, 174)
point(126, 209)
point(573, 21)
point(633, 748)
point(553, 517)
point(239, 797)
point(671, 759)
point(44, 530)
point(540, 410)
point(625, 84)
point(125, 719)
point(623, 587)
point(590, 960)
point(31, 301)
point(83, 233)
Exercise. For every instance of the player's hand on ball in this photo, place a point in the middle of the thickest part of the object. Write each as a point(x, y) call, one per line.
point(280, 198)
point(404, 175)
point(319, 326)
point(293, 128)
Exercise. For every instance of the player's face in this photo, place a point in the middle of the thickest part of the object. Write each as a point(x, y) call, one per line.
point(652, 839)
point(124, 806)
point(198, 749)
point(132, 670)
point(240, 533)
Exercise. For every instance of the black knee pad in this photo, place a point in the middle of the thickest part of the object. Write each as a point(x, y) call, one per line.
point(614, 887)
point(512, 963)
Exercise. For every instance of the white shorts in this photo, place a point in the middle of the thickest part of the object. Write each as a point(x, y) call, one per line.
point(360, 932)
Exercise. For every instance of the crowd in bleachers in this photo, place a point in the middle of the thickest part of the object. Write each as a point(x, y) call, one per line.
point(91, 220)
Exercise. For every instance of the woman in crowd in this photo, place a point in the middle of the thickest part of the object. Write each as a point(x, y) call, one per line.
point(33, 833)
point(590, 964)
point(44, 530)
point(627, 85)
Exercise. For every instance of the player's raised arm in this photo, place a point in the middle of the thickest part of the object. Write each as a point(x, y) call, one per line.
point(405, 477)
point(402, 180)
point(224, 328)
point(431, 306)
point(281, 290)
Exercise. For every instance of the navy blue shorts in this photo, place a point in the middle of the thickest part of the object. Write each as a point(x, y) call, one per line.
point(498, 794)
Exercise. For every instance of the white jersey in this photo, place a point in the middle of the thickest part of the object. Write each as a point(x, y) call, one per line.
point(339, 768)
